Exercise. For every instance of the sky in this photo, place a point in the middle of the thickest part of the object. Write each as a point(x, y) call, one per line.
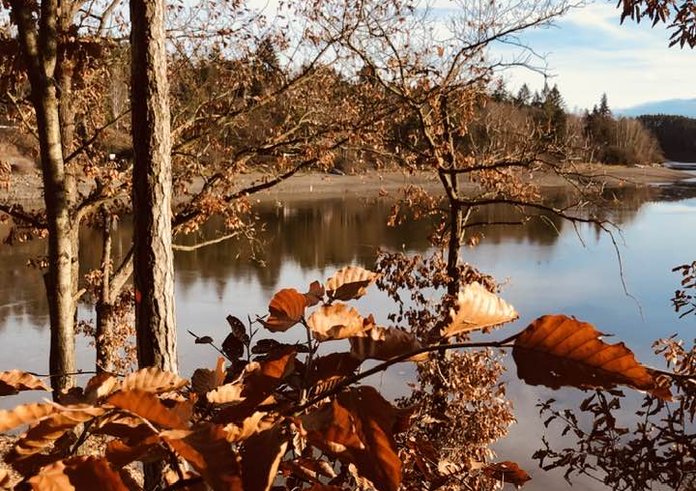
point(588, 52)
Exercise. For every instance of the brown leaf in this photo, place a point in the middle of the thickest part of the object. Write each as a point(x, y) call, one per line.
point(124, 426)
point(204, 380)
point(101, 385)
point(13, 381)
point(507, 472)
point(24, 414)
point(315, 294)
point(147, 406)
point(49, 429)
point(119, 454)
point(78, 473)
point(308, 469)
point(206, 448)
point(357, 427)
point(336, 321)
point(261, 455)
point(331, 368)
point(236, 341)
point(349, 283)
point(259, 381)
point(5, 480)
point(226, 393)
point(286, 309)
point(477, 308)
point(153, 380)
point(557, 351)
point(381, 343)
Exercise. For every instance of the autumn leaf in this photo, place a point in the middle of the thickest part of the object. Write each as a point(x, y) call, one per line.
point(477, 308)
point(381, 343)
point(130, 429)
point(349, 283)
point(286, 309)
point(557, 351)
point(49, 429)
point(315, 294)
point(336, 321)
point(119, 454)
point(78, 473)
point(258, 382)
point(148, 406)
point(24, 414)
point(308, 469)
point(261, 455)
point(206, 448)
point(101, 385)
point(204, 380)
point(152, 380)
point(225, 394)
point(234, 344)
point(507, 472)
point(5, 480)
point(358, 427)
point(14, 381)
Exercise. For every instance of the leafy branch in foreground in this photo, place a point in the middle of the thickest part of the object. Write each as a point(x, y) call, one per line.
point(283, 416)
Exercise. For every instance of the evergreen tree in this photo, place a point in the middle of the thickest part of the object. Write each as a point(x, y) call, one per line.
point(524, 96)
point(554, 112)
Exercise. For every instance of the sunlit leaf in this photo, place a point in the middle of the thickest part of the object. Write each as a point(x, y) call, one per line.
point(357, 427)
point(557, 351)
point(49, 429)
point(78, 473)
point(148, 406)
point(261, 455)
point(477, 308)
point(226, 393)
point(315, 294)
point(308, 469)
point(286, 309)
point(259, 381)
point(507, 472)
point(336, 321)
point(130, 429)
point(204, 380)
point(381, 343)
point(14, 381)
point(24, 414)
point(5, 480)
point(153, 380)
point(101, 385)
point(206, 448)
point(349, 283)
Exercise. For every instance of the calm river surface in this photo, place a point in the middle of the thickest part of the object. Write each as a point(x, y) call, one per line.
point(546, 269)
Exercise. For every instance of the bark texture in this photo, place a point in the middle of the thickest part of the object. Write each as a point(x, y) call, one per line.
point(39, 45)
point(152, 188)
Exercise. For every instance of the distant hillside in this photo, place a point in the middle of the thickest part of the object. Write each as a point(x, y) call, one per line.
point(676, 134)
point(676, 107)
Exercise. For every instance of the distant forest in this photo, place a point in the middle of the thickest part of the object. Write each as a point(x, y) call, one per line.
point(676, 134)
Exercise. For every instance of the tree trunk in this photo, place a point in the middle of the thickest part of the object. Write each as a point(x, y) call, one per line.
point(39, 51)
point(104, 306)
point(152, 188)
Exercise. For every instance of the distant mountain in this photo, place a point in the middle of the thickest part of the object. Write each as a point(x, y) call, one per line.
point(676, 107)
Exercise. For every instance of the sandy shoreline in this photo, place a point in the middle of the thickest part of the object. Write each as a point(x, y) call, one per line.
point(27, 189)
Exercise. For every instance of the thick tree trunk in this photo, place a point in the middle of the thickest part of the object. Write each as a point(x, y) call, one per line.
point(39, 51)
point(152, 188)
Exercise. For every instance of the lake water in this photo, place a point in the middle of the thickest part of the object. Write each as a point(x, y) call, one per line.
point(545, 268)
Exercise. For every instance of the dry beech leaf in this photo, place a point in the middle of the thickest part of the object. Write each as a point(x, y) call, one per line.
point(315, 294)
point(226, 394)
point(308, 469)
point(24, 414)
point(78, 473)
point(477, 308)
point(153, 380)
point(261, 455)
point(507, 472)
point(130, 429)
point(204, 380)
point(49, 429)
point(13, 381)
point(349, 283)
point(358, 427)
point(557, 351)
point(148, 406)
point(119, 454)
point(336, 321)
point(101, 385)
point(5, 480)
point(206, 448)
point(286, 309)
point(382, 343)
